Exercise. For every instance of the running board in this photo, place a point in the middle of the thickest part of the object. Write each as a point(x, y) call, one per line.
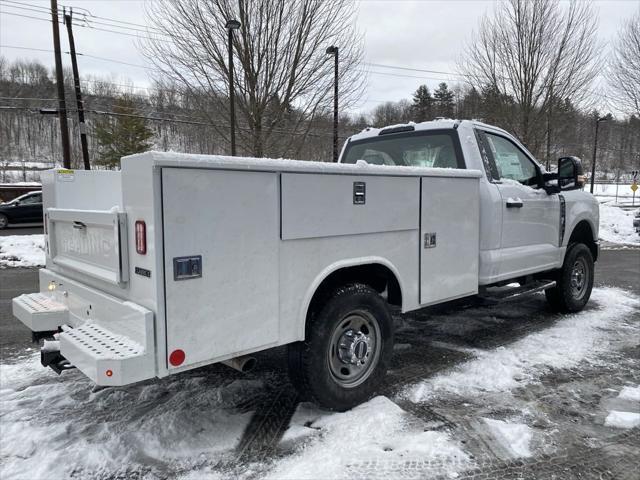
point(502, 295)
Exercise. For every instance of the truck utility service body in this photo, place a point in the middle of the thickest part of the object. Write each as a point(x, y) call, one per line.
point(179, 261)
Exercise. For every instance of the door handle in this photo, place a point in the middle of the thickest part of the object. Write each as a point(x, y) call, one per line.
point(514, 203)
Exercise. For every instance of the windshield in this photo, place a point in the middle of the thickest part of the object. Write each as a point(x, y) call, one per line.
point(420, 149)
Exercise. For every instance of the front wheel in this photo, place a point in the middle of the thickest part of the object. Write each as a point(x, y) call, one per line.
point(4, 221)
point(347, 349)
point(574, 280)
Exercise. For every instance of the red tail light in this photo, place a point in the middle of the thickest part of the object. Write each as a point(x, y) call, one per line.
point(141, 237)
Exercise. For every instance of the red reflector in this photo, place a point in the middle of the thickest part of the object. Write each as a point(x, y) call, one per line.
point(176, 358)
point(109, 373)
point(141, 237)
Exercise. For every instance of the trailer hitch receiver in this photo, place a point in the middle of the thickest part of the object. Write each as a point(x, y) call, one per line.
point(50, 356)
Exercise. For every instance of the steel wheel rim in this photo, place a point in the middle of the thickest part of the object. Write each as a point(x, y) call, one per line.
point(579, 278)
point(3, 221)
point(354, 349)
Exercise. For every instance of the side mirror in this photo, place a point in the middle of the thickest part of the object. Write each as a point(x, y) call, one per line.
point(570, 175)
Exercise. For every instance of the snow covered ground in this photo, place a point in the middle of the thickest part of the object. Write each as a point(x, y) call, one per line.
point(22, 251)
point(610, 189)
point(572, 340)
point(196, 425)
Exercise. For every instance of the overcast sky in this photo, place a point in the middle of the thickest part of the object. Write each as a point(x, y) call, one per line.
point(428, 34)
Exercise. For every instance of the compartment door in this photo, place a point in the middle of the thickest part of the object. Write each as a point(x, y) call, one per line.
point(221, 234)
point(449, 238)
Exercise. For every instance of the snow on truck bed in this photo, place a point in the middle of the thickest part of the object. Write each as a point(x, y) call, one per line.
point(172, 159)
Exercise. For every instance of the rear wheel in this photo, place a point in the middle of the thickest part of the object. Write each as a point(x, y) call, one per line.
point(574, 281)
point(4, 221)
point(347, 349)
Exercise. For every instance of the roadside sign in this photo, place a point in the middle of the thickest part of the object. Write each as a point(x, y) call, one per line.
point(634, 187)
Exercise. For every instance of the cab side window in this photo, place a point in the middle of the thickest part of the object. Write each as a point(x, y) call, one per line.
point(510, 162)
point(32, 199)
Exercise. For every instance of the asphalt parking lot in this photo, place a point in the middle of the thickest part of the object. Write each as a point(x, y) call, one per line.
point(445, 380)
point(12, 230)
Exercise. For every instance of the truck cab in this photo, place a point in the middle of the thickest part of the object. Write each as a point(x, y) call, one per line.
point(525, 223)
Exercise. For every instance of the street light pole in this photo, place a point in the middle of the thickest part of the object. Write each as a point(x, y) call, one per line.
point(595, 149)
point(231, 26)
point(333, 50)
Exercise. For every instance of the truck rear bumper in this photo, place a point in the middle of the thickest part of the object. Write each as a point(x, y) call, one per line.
point(40, 312)
point(110, 340)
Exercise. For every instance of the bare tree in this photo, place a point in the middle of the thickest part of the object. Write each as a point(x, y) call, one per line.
point(283, 77)
point(391, 113)
point(624, 66)
point(534, 51)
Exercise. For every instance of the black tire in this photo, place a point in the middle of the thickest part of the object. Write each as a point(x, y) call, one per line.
point(4, 221)
point(574, 281)
point(317, 366)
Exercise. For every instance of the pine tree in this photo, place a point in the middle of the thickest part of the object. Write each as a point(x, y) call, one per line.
point(422, 108)
point(121, 135)
point(443, 99)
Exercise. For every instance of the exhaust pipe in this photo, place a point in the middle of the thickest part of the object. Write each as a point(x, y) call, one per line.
point(242, 364)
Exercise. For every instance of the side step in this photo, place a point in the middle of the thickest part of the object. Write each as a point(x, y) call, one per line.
point(40, 312)
point(496, 295)
point(106, 357)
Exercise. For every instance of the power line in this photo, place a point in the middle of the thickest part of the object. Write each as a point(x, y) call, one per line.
point(27, 48)
point(27, 98)
point(411, 69)
point(28, 5)
point(82, 54)
point(26, 16)
point(173, 120)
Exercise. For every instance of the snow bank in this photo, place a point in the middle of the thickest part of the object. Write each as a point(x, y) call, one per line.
point(574, 338)
point(22, 251)
point(371, 436)
point(616, 225)
point(618, 419)
point(515, 437)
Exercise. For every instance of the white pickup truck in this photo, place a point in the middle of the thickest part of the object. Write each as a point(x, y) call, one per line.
point(179, 261)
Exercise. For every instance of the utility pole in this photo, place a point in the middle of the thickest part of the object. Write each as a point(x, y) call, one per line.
point(62, 107)
point(333, 50)
point(76, 82)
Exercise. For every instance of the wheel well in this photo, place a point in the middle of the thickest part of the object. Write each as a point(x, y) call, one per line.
point(583, 233)
point(377, 276)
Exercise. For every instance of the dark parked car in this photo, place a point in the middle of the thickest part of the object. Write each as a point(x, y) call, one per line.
point(24, 209)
